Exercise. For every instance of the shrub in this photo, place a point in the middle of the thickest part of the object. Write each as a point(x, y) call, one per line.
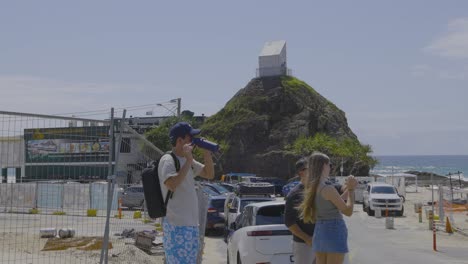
point(137, 215)
point(34, 211)
point(59, 213)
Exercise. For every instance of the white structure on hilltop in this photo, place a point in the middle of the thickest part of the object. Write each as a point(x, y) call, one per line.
point(272, 59)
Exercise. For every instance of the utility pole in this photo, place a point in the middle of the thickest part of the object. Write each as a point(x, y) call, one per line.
point(178, 107)
point(459, 179)
point(451, 188)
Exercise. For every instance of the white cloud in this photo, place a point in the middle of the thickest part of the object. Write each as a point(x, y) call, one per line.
point(421, 70)
point(460, 76)
point(454, 43)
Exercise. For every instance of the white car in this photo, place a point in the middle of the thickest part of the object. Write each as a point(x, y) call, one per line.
point(260, 235)
point(235, 204)
point(382, 196)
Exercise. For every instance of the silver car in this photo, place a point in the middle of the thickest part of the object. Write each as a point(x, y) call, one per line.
point(133, 197)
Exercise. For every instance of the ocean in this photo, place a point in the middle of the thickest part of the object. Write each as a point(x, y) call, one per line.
point(441, 165)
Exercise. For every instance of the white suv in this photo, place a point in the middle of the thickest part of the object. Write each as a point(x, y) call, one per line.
point(382, 196)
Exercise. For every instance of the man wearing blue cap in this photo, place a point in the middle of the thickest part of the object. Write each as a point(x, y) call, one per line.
point(181, 231)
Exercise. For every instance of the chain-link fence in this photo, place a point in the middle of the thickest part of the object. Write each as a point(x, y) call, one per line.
point(452, 204)
point(131, 230)
point(53, 188)
point(70, 192)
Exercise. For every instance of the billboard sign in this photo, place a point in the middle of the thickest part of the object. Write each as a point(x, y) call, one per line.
point(73, 144)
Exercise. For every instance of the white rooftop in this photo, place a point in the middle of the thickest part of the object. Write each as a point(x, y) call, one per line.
point(273, 48)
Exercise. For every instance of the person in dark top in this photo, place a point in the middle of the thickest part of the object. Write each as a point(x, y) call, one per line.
point(302, 232)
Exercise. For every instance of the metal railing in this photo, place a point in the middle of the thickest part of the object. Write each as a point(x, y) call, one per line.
point(273, 71)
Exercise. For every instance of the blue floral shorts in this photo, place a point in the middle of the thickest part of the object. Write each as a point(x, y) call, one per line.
point(181, 243)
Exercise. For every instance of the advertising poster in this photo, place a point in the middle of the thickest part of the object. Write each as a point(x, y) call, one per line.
point(83, 144)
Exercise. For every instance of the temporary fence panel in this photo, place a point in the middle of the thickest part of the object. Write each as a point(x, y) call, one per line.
point(49, 195)
point(99, 196)
point(453, 203)
point(48, 167)
point(129, 221)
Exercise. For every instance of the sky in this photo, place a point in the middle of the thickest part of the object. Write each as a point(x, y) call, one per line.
point(398, 69)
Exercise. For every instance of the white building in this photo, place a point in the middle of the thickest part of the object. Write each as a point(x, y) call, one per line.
point(11, 158)
point(272, 59)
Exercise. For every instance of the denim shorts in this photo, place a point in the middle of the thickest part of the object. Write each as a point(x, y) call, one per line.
point(330, 236)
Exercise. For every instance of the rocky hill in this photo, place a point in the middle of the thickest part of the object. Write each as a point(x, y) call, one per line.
point(259, 123)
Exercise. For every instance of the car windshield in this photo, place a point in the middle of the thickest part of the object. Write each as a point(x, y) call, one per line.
point(220, 188)
point(270, 215)
point(229, 187)
point(383, 189)
point(209, 191)
point(247, 202)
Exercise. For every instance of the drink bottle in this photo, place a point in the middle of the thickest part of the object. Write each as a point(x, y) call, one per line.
point(206, 144)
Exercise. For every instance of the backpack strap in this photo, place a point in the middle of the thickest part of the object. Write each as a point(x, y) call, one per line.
point(176, 161)
point(177, 166)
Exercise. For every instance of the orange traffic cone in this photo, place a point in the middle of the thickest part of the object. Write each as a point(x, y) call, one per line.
point(448, 226)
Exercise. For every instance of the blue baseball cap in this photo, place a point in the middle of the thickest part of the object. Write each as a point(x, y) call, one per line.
point(181, 129)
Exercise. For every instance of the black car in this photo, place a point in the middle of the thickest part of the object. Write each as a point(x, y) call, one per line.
point(215, 214)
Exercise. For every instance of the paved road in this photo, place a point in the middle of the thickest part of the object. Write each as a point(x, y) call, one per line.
point(370, 242)
point(410, 242)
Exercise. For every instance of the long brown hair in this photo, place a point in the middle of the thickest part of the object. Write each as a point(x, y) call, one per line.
point(307, 208)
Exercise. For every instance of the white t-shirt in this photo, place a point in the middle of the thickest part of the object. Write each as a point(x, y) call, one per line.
point(182, 208)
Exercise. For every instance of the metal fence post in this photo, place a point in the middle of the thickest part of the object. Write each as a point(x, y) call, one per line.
point(105, 244)
point(111, 183)
point(441, 204)
point(36, 196)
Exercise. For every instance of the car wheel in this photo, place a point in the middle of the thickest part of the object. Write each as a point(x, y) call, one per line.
point(238, 258)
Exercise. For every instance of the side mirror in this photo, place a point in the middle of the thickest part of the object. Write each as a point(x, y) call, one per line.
point(402, 197)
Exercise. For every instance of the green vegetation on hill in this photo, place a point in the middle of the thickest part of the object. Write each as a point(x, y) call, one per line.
point(236, 111)
point(292, 84)
point(349, 151)
point(295, 86)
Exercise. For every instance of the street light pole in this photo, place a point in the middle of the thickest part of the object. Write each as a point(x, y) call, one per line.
point(451, 188)
point(178, 107)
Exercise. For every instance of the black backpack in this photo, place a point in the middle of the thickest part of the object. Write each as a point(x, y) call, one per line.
point(155, 204)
